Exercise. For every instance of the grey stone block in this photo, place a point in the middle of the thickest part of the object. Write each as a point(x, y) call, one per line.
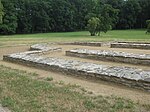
point(135, 45)
point(97, 44)
point(142, 59)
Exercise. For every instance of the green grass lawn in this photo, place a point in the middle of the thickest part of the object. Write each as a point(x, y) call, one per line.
point(123, 35)
point(22, 92)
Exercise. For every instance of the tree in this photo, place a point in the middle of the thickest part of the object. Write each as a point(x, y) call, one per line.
point(9, 24)
point(1, 12)
point(148, 26)
point(117, 4)
point(144, 13)
point(62, 15)
point(24, 16)
point(39, 13)
point(81, 9)
point(128, 13)
point(107, 16)
point(32, 16)
point(93, 24)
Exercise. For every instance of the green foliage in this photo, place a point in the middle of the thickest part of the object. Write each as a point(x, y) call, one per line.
point(148, 26)
point(106, 18)
point(49, 79)
point(88, 104)
point(62, 16)
point(33, 16)
point(132, 9)
point(121, 104)
point(81, 9)
point(93, 24)
point(144, 13)
point(46, 15)
point(1, 12)
point(132, 13)
point(7, 101)
point(9, 24)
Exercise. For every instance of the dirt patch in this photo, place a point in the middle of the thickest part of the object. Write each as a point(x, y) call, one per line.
point(98, 88)
point(10, 50)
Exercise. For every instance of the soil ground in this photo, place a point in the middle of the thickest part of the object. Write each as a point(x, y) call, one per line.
point(97, 87)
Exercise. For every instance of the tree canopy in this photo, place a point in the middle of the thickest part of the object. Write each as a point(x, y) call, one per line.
point(103, 17)
point(93, 25)
point(33, 16)
point(1, 12)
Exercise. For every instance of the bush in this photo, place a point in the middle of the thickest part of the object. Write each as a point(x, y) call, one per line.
point(93, 23)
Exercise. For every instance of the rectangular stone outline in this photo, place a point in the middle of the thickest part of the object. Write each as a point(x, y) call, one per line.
point(96, 44)
point(131, 45)
point(140, 84)
point(121, 58)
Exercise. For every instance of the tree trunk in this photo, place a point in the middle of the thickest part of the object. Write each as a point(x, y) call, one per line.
point(92, 34)
point(99, 33)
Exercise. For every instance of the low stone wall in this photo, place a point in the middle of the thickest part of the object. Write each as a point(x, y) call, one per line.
point(44, 47)
point(131, 45)
point(97, 44)
point(134, 42)
point(131, 77)
point(142, 59)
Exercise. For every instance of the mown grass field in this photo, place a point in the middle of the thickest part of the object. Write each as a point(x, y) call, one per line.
point(22, 92)
point(122, 35)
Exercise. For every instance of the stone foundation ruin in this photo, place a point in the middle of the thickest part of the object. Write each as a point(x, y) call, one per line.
point(128, 76)
point(96, 44)
point(105, 55)
point(131, 45)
